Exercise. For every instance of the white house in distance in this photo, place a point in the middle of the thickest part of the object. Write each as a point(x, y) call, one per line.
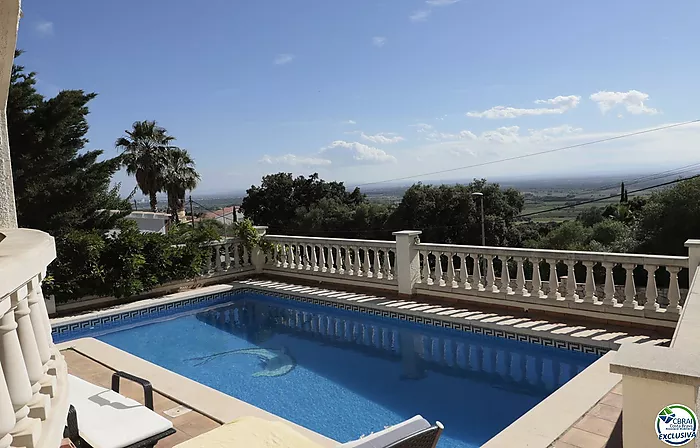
point(148, 222)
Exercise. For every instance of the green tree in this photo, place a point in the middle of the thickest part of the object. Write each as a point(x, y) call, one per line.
point(59, 186)
point(281, 200)
point(179, 176)
point(450, 213)
point(145, 155)
point(669, 218)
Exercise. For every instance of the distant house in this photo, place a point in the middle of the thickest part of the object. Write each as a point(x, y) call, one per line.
point(147, 222)
point(226, 215)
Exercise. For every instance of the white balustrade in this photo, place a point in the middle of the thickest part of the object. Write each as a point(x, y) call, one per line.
point(226, 256)
point(517, 275)
point(363, 260)
point(33, 392)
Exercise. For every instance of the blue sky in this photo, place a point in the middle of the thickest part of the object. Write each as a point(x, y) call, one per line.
point(362, 90)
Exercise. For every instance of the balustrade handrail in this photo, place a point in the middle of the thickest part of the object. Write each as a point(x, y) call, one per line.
point(24, 253)
point(662, 260)
point(225, 240)
point(340, 241)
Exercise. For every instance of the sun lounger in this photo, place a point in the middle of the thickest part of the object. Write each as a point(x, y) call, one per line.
point(101, 418)
point(415, 432)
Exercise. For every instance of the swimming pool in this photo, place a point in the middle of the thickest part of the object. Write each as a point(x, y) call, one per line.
point(344, 374)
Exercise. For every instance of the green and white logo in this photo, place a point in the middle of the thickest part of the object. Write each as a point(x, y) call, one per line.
point(676, 425)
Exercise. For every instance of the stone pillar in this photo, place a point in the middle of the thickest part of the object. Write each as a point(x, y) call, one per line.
point(693, 256)
point(258, 256)
point(37, 315)
point(10, 12)
point(407, 260)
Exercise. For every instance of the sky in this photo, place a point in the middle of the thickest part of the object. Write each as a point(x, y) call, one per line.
point(364, 91)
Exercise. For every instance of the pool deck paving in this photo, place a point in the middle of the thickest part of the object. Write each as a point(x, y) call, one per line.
point(600, 427)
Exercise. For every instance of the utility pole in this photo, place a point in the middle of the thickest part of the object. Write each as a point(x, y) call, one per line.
point(191, 211)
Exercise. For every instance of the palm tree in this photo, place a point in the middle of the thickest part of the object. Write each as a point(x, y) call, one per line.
point(145, 148)
point(178, 177)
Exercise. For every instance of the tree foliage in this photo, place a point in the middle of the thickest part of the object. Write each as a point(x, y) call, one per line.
point(59, 185)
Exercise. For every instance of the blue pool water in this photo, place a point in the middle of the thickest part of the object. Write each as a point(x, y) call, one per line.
point(345, 374)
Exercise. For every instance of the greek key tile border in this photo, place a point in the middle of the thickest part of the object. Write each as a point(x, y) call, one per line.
point(75, 330)
point(84, 328)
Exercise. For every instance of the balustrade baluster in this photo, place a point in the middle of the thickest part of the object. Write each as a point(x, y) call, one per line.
point(589, 296)
point(377, 266)
point(322, 254)
point(39, 404)
point(314, 257)
point(7, 413)
point(491, 275)
point(571, 294)
point(438, 269)
point(651, 293)
point(359, 269)
point(630, 290)
point(674, 293)
point(609, 290)
point(26, 429)
point(553, 281)
point(476, 273)
point(368, 264)
point(536, 279)
point(520, 278)
point(42, 334)
point(333, 258)
point(348, 261)
point(386, 266)
point(305, 265)
point(217, 258)
point(505, 276)
point(392, 267)
point(464, 272)
point(426, 269)
point(227, 255)
point(451, 270)
point(275, 254)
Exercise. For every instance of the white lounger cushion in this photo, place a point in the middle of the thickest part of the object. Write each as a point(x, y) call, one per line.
point(109, 420)
point(390, 435)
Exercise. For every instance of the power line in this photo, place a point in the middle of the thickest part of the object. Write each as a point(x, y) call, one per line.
point(648, 177)
point(532, 154)
point(591, 201)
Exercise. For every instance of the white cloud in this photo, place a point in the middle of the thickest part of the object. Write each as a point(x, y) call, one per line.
point(382, 137)
point(550, 133)
point(355, 153)
point(422, 127)
point(441, 2)
point(632, 101)
point(559, 105)
point(44, 28)
point(349, 122)
point(378, 41)
point(282, 59)
point(294, 160)
point(420, 16)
